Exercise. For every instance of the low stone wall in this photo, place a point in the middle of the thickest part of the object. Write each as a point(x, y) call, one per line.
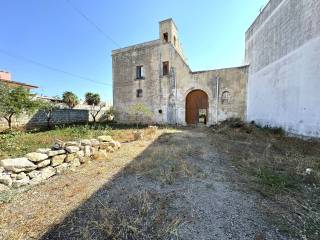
point(60, 116)
point(44, 163)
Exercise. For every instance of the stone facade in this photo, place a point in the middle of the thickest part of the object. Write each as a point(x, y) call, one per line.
point(283, 50)
point(140, 76)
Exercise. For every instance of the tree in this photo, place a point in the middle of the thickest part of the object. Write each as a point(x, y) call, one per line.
point(70, 99)
point(15, 101)
point(48, 108)
point(140, 112)
point(93, 99)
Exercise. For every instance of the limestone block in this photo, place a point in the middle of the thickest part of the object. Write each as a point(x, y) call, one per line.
point(72, 149)
point(6, 180)
point(36, 157)
point(57, 160)
point(17, 165)
point(43, 163)
point(56, 152)
point(62, 168)
point(105, 138)
point(20, 183)
point(43, 150)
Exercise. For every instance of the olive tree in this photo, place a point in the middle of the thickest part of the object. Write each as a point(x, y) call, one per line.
point(15, 101)
point(48, 107)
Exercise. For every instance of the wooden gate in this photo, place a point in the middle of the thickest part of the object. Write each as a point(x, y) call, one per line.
point(197, 107)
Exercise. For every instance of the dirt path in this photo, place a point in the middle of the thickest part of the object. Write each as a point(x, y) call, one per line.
point(174, 187)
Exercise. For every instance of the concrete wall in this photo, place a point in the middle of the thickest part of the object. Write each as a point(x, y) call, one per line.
point(283, 49)
point(61, 116)
point(168, 93)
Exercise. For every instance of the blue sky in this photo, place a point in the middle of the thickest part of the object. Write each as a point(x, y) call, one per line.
point(51, 32)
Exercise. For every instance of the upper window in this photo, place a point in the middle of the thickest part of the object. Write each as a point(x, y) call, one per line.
point(165, 68)
point(174, 41)
point(165, 37)
point(139, 72)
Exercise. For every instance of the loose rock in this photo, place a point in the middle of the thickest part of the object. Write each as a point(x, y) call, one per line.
point(138, 135)
point(94, 142)
point(62, 168)
point(6, 180)
point(21, 176)
point(17, 165)
point(36, 157)
point(105, 139)
point(80, 154)
point(56, 152)
point(70, 157)
point(43, 150)
point(44, 163)
point(75, 163)
point(72, 149)
point(85, 142)
point(58, 144)
point(34, 174)
point(57, 160)
point(20, 183)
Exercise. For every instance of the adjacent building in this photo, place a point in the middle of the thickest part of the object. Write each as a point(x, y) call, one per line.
point(283, 50)
point(5, 78)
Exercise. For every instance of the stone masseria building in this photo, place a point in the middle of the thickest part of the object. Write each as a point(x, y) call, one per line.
point(157, 75)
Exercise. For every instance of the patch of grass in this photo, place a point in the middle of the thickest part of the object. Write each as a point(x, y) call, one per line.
point(274, 182)
point(165, 161)
point(145, 215)
point(6, 196)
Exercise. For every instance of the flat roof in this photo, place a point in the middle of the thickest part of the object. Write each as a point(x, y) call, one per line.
point(18, 83)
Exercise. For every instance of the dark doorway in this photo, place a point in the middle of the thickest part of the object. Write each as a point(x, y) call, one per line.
point(197, 107)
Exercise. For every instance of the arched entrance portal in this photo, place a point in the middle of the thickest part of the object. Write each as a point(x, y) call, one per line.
point(197, 105)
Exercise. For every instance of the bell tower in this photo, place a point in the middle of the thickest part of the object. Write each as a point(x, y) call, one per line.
point(169, 34)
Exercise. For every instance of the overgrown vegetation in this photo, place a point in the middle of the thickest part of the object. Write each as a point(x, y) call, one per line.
point(139, 113)
point(18, 143)
point(284, 169)
point(14, 102)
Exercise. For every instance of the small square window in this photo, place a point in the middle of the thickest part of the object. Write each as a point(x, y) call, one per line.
point(139, 72)
point(139, 93)
point(165, 38)
point(165, 68)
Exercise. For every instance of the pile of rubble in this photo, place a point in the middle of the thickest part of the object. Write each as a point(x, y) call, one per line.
point(44, 163)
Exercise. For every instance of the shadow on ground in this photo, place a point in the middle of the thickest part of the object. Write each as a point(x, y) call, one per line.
point(137, 203)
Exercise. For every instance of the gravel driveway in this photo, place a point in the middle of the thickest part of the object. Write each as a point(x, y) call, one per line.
point(175, 186)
